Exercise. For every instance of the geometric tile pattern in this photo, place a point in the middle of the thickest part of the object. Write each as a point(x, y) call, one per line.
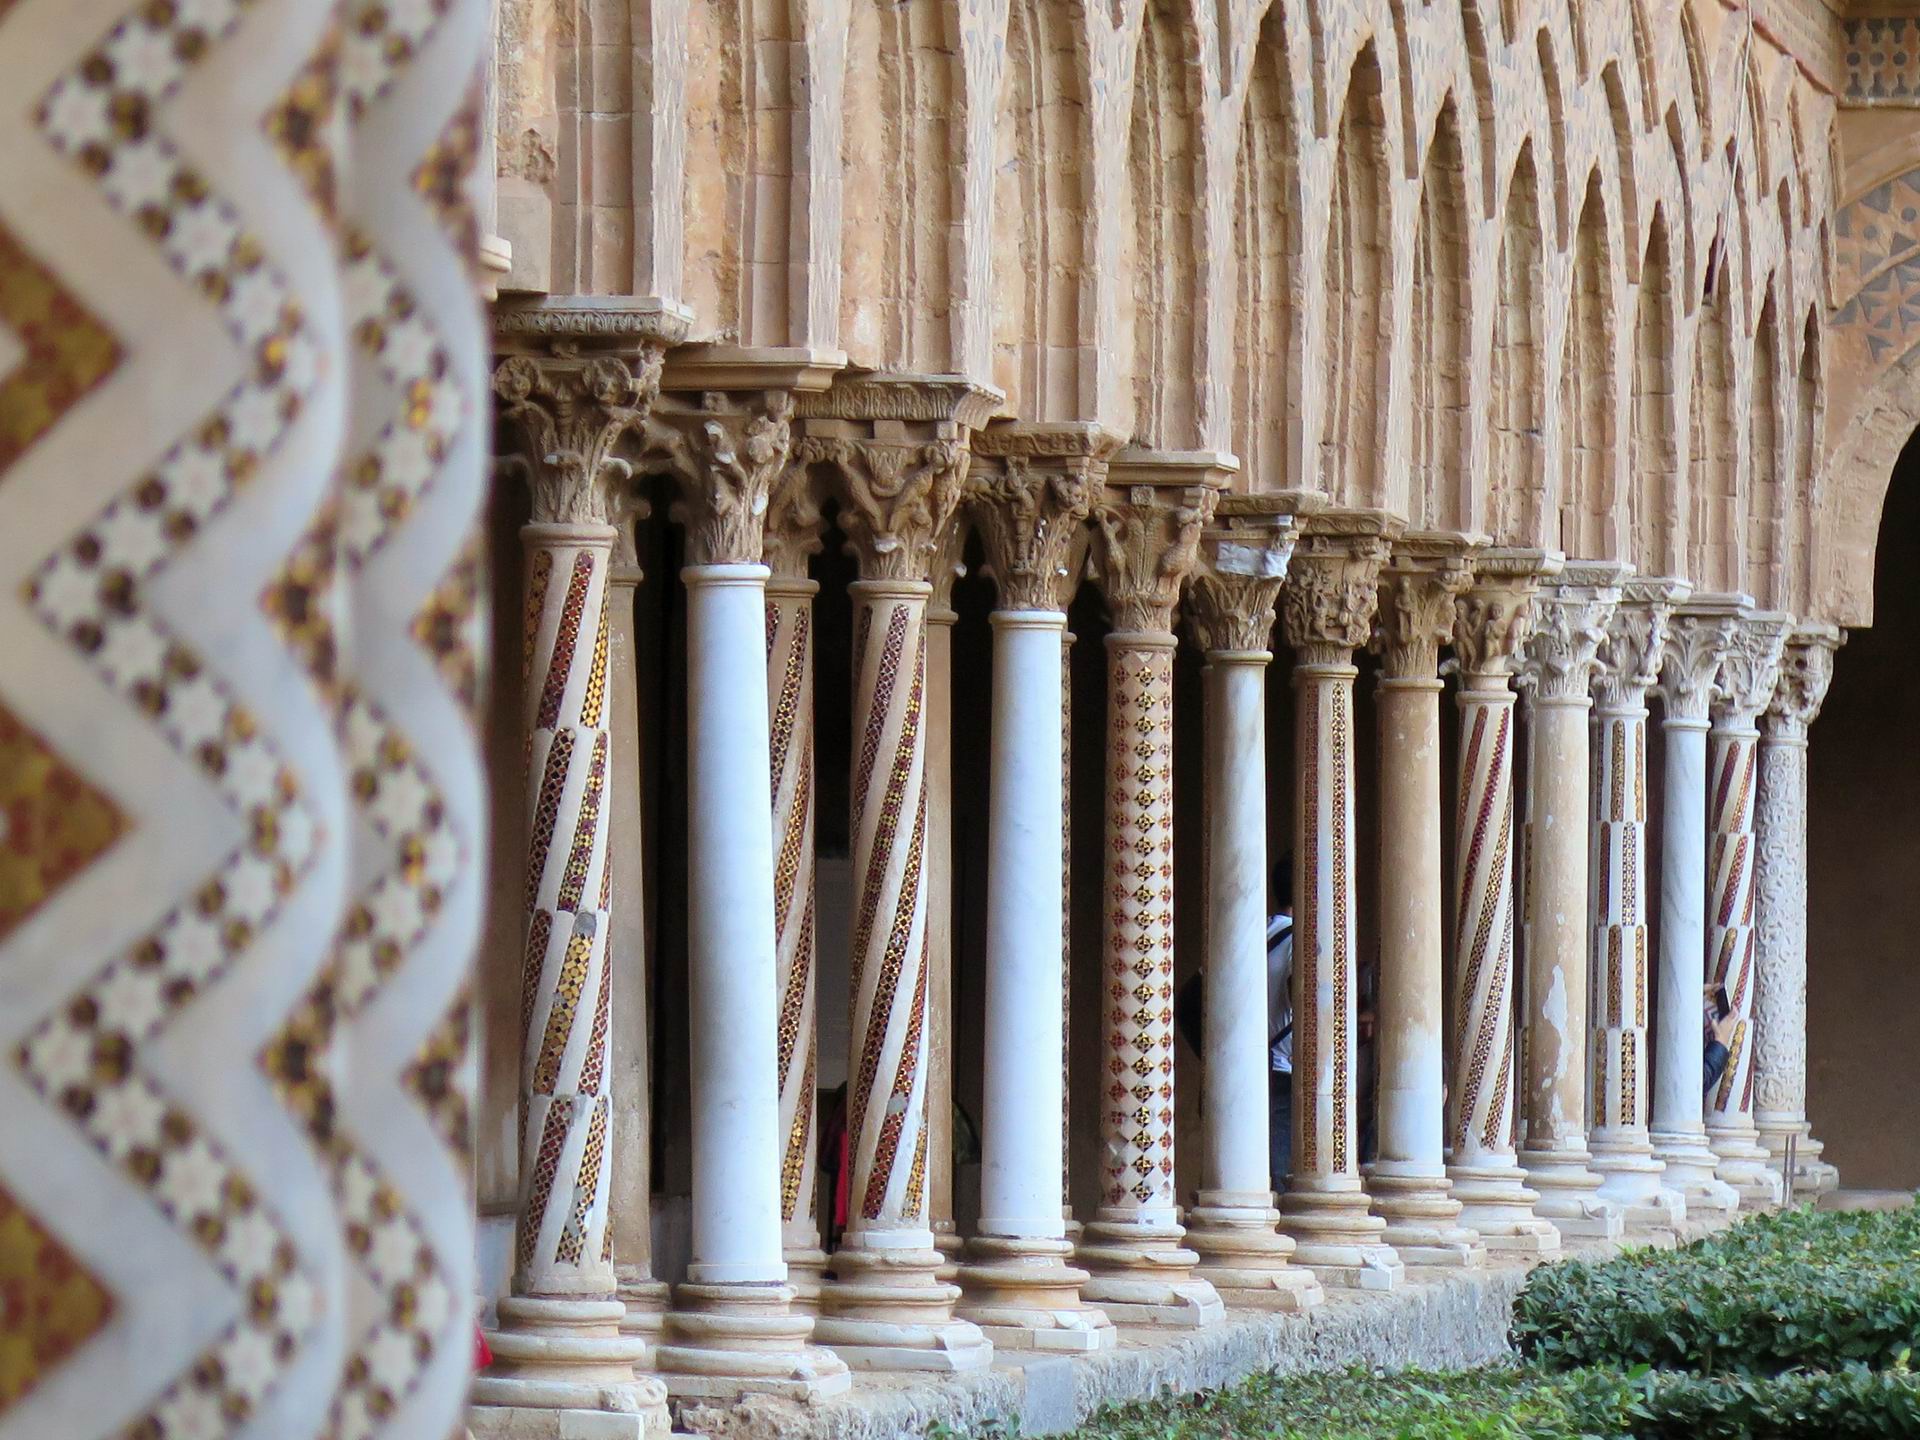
point(53, 823)
point(49, 1305)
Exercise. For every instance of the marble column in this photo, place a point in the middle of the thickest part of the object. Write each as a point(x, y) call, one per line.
point(1030, 491)
point(1690, 663)
point(1075, 567)
point(897, 448)
point(1408, 1182)
point(1780, 887)
point(559, 1346)
point(793, 535)
point(1749, 670)
point(1620, 997)
point(1147, 528)
point(941, 617)
point(1230, 605)
point(733, 1327)
point(1328, 608)
point(1490, 625)
point(1570, 616)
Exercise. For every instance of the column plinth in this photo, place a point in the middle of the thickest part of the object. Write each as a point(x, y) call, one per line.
point(1690, 662)
point(1018, 1285)
point(1490, 625)
point(1147, 531)
point(1620, 1001)
point(897, 446)
point(1569, 620)
point(1780, 884)
point(1408, 1182)
point(1749, 670)
point(1230, 601)
point(1328, 608)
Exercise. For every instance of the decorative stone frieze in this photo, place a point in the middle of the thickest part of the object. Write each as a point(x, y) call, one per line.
point(1030, 491)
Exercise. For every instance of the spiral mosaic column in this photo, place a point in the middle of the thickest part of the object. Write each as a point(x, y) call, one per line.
point(1569, 620)
point(1749, 670)
point(1490, 626)
point(883, 1305)
point(1780, 884)
point(1328, 609)
point(1620, 1003)
point(1147, 532)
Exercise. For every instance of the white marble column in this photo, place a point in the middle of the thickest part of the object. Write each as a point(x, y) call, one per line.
point(1780, 886)
point(1620, 999)
point(733, 1327)
point(1230, 600)
point(1690, 663)
point(1749, 669)
point(1148, 530)
point(1408, 1182)
point(1490, 626)
point(1328, 609)
point(792, 535)
point(559, 1346)
point(1076, 566)
point(1028, 499)
point(897, 447)
point(1569, 622)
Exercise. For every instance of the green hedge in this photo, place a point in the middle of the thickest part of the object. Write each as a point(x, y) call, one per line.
point(1677, 1405)
point(1800, 1290)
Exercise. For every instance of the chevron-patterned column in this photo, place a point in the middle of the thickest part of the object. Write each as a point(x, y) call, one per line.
point(1490, 626)
point(1749, 670)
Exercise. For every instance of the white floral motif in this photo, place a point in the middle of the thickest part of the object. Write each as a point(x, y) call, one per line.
point(192, 1179)
point(129, 1116)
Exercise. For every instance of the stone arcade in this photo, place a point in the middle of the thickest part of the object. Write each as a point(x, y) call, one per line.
point(603, 883)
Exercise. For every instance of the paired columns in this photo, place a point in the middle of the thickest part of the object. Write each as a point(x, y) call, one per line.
point(1490, 625)
point(1621, 998)
point(1328, 607)
point(1230, 604)
point(1569, 623)
point(1780, 888)
point(1147, 529)
point(1749, 669)
point(1408, 1182)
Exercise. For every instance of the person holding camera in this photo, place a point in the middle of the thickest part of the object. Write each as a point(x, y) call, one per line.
point(1720, 1021)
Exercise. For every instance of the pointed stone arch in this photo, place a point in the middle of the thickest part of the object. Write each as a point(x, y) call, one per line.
point(1692, 52)
point(1588, 486)
point(1556, 174)
point(1627, 174)
point(1473, 28)
point(1517, 470)
point(1439, 329)
point(1809, 443)
point(1768, 487)
point(1657, 517)
point(1717, 558)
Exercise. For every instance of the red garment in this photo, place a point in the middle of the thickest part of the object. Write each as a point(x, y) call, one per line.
point(482, 1356)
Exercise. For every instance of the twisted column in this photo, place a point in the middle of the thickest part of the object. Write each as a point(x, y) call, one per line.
point(1490, 625)
point(793, 524)
point(1328, 609)
point(1696, 637)
point(1147, 534)
point(1749, 670)
point(1408, 1182)
point(1030, 491)
point(560, 1345)
point(1621, 998)
point(1230, 600)
point(1569, 624)
point(1780, 885)
point(899, 469)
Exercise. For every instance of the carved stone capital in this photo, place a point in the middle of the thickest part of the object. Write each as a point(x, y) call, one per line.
point(793, 522)
point(1491, 620)
point(1806, 670)
point(949, 564)
point(570, 410)
point(1333, 583)
point(1030, 490)
point(1750, 667)
point(1417, 591)
point(1697, 634)
point(1628, 664)
point(1233, 588)
point(1147, 527)
point(727, 452)
point(1569, 626)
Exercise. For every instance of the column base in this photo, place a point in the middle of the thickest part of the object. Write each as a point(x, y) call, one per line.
point(953, 1249)
point(1422, 1217)
point(887, 1309)
point(562, 1370)
point(1495, 1201)
point(647, 1301)
point(1690, 1169)
point(806, 1272)
point(1024, 1296)
point(1570, 1197)
point(724, 1341)
point(1248, 1263)
point(1632, 1179)
point(1744, 1164)
point(1140, 1274)
point(1338, 1238)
